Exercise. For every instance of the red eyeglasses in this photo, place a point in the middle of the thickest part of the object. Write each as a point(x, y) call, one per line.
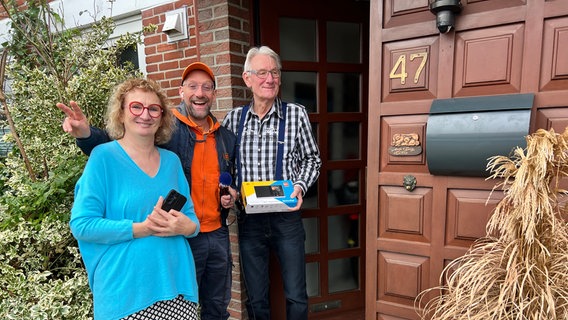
point(137, 108)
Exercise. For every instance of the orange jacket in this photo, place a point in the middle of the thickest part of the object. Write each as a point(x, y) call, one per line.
point(205, 175)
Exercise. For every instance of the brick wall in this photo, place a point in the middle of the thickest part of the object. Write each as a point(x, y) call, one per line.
point(220, 35)
point(21, 5)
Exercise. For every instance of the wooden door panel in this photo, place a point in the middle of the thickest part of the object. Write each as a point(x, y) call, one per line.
point(402, 144)
point(468, 212)
point(410, 69)
point(489, 6)
point(556, 119)
point(554, 75)
point(401, 12)
point(555, 8)
point(404, 236)
point(405, 215)
point(401, 278)
point(552, 118)
point(488, 61)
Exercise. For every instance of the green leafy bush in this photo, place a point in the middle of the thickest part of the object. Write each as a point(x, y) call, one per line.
point(41, 274)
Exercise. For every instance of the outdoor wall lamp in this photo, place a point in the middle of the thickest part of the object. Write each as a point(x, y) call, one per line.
point(445, 11)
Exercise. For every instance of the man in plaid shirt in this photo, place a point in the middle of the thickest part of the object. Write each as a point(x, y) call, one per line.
point(280, 232)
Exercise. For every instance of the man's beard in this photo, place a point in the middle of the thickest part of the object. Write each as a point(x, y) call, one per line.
point(198, 115)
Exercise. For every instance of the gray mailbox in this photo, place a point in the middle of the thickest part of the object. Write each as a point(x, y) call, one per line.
point(463, 133)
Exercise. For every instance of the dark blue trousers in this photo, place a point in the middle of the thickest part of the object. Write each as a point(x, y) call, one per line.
point(213, 265)
point(283, 234)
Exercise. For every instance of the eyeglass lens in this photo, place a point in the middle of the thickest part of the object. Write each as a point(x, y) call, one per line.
point(205, 87)
point(137, 108)
point(263, 74)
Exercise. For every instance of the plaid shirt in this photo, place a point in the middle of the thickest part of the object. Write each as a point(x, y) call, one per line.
point(258, 145)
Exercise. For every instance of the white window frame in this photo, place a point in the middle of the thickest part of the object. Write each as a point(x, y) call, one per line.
point(126, 14)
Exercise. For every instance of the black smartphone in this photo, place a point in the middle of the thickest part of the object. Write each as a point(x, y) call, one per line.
point(174, 200)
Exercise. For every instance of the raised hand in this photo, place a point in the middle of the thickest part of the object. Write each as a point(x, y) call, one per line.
point(75, 122)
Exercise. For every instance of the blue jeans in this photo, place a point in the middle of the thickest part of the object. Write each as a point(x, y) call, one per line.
point(213, 265)
point(284, 234)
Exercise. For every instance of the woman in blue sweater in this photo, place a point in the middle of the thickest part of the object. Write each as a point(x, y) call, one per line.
point(138, 260)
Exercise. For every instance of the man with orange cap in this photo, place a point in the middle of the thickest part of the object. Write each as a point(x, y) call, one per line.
point(206, 150)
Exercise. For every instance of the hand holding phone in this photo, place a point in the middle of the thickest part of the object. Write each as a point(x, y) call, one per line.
point(174, 200)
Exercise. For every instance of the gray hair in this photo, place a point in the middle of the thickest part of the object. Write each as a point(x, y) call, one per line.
point(254, 51)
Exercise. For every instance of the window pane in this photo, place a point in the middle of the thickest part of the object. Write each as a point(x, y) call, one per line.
point(311, 197)
point(311, 226)
point(343, 232)
point(344, 140)
point(312, 279)
point(343, 187)
point(297, 39)
point(129, 55)
point(343, 42)
point(315, 131)
point(343, 274)
point(300, 87)
point(343, 92)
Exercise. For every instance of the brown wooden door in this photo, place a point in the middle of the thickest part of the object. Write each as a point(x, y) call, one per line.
point(498, 47)
point(324, 49)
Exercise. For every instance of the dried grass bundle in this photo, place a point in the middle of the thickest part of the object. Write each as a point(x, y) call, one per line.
point(520, 269)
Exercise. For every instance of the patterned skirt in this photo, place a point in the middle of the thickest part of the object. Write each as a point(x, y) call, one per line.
point(176, 309)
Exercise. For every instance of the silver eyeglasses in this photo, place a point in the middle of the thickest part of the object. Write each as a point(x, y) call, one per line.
point(205, 87)
point(263, 74)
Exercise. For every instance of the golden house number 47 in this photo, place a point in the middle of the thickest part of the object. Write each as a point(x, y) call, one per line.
point(398, 71)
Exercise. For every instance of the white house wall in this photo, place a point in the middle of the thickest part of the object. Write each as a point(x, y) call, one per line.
point(81, 14)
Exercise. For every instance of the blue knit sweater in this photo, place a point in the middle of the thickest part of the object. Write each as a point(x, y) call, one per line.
point(125, 274)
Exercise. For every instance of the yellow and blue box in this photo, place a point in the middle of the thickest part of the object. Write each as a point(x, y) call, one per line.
point(268, 196)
